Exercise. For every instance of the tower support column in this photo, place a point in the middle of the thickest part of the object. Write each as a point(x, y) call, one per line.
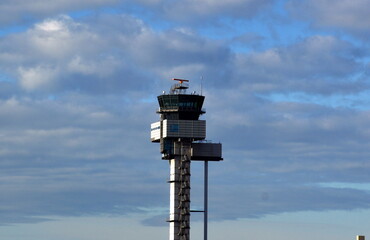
point(180, 193)
point(205, 231)
point(179, 132)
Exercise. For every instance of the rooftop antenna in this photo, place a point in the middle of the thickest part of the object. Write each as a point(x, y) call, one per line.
point(179, 88)
point(201, 85)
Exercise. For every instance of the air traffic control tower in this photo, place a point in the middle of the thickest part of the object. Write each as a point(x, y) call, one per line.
point(181, 136)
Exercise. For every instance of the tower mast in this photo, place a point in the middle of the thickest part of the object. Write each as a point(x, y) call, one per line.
point(179, 132)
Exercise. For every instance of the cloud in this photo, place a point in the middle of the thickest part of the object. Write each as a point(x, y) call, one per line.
point(350, 16)
point(13, 11)
point(56, 155)
point(318, 64)
point(60, 54)
point(37, 77)
point(77, 97)
point(294, 132)
point(213, 10)
point(204, 11)
point(280, 164)
point(272, 199)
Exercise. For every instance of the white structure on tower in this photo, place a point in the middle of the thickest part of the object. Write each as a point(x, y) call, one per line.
point(179, 133)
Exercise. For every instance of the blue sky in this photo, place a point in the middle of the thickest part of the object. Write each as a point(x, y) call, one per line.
point(287, 93)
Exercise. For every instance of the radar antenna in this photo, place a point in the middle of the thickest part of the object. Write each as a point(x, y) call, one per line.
point(179, 88)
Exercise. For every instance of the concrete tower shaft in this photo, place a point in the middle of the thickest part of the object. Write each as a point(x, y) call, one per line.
point(180, 193)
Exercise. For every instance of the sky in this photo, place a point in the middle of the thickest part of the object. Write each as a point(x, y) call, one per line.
point(287, 94)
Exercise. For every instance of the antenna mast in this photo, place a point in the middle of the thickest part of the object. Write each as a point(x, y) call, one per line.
point(201, 85)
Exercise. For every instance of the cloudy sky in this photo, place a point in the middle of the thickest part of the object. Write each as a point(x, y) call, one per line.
point(287, 93)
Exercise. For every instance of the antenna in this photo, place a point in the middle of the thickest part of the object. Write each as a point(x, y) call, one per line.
point(180, 80)
point(179, 88)
point(201, 85)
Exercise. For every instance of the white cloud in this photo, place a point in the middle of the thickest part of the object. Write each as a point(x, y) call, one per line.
point(62, 54)
point(40, 77)
point(12, 11)
point(59, 38)
point(51, 26)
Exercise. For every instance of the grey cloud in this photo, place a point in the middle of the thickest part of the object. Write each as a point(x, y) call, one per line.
point(27, 206)
point(213, 10)
point(75, 115)
point(79, 155)
point(15, 11)
point(38, 125)
point(318, 65)
point(61, 54)
point(350, 16)
point(18, 11)
point(7, 90)
point(293, 129)
point(181, 53)
point(71, 157)
point(277, 154)
point(264, 200)
point(290, 137)
point(248, 39)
